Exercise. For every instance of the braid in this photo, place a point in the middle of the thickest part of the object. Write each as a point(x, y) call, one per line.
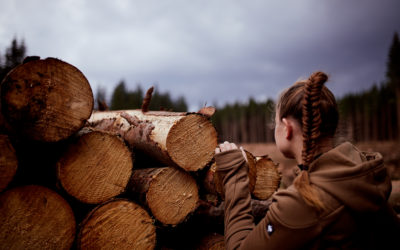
point(311, 115)
point(311, 121)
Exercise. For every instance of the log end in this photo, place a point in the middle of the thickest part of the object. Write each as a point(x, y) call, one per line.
point(172, 195)
point(267, 179)
point(95, 168)
point(8, 162)
point(251, 162)
point(46, 100)
point(118, 224)
point(35, 217)
point(191, 142)
point(212, 241)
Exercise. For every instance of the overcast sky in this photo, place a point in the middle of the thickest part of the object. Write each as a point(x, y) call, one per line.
point(210, 51)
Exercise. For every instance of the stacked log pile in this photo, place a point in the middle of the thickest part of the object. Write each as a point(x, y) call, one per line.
point(74, 178)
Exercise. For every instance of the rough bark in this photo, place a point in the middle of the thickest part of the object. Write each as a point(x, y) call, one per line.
point(8, 162)
point(117, 224)
point(46, 100)
point(95, 167)
point(186, 140)
point(35, 217)
point(170, 193)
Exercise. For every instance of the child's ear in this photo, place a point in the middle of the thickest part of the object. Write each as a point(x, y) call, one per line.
point(288, 128)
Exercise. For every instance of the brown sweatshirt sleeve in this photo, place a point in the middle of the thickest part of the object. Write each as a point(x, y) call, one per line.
point(238, 218)
point(272, 232)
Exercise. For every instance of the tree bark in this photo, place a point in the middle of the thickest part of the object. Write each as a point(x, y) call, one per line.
point(170, 193)
point(35, 217)
point(117, 224)
point(186, 140)
point(46, 100)
point(8, 162)
point(95, 167)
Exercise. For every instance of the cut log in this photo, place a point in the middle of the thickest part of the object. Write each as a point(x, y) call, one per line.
point(212, 242)
point(170, 193)
point(117, 224)
point(252, 170)
point(266, 177)
point(212, 182)
point(96, 167)
point(35, 217)
point(186, 140)
point(8, 162)
point(46, 100)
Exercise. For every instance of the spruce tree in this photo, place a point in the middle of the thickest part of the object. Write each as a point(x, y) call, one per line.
point(393, 74)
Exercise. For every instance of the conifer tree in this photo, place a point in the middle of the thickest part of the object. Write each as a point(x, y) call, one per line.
point(14, 55)
point(393, 74)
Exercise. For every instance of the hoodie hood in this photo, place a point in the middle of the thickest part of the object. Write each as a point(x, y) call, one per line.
point(360, 180)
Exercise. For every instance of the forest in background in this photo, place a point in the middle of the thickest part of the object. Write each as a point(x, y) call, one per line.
point(371, 115)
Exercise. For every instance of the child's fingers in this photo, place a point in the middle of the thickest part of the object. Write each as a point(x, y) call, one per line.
point(226, 146)
point(244, 153)
point(217, 150)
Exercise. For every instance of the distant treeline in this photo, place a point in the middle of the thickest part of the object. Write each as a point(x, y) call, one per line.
point(123, 98)
point(245, 123)
point(369, 115)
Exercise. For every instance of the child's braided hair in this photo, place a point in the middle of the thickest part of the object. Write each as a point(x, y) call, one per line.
point(315, 108)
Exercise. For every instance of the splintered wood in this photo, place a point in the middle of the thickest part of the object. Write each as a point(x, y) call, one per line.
point(46, 100)
point(186, 140)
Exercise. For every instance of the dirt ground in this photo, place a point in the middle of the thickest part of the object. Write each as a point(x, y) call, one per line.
point(390, 151)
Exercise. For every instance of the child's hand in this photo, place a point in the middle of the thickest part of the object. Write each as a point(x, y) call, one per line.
point(226, 146)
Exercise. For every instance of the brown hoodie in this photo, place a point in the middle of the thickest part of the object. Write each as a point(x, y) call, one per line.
point(354, 186)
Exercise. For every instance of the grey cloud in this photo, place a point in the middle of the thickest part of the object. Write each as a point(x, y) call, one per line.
point(210, 51)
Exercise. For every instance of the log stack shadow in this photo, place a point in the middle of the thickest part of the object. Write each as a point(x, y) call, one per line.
point(75, 178)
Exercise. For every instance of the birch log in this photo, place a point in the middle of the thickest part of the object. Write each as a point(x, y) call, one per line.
point(117, 224)
point(95, 167)
point(186, 140)
point(170, 193)
point(46, 100)
point(35, 217)
point(8, 162)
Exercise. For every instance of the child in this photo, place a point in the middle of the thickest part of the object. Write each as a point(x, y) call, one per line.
point(339, 198)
